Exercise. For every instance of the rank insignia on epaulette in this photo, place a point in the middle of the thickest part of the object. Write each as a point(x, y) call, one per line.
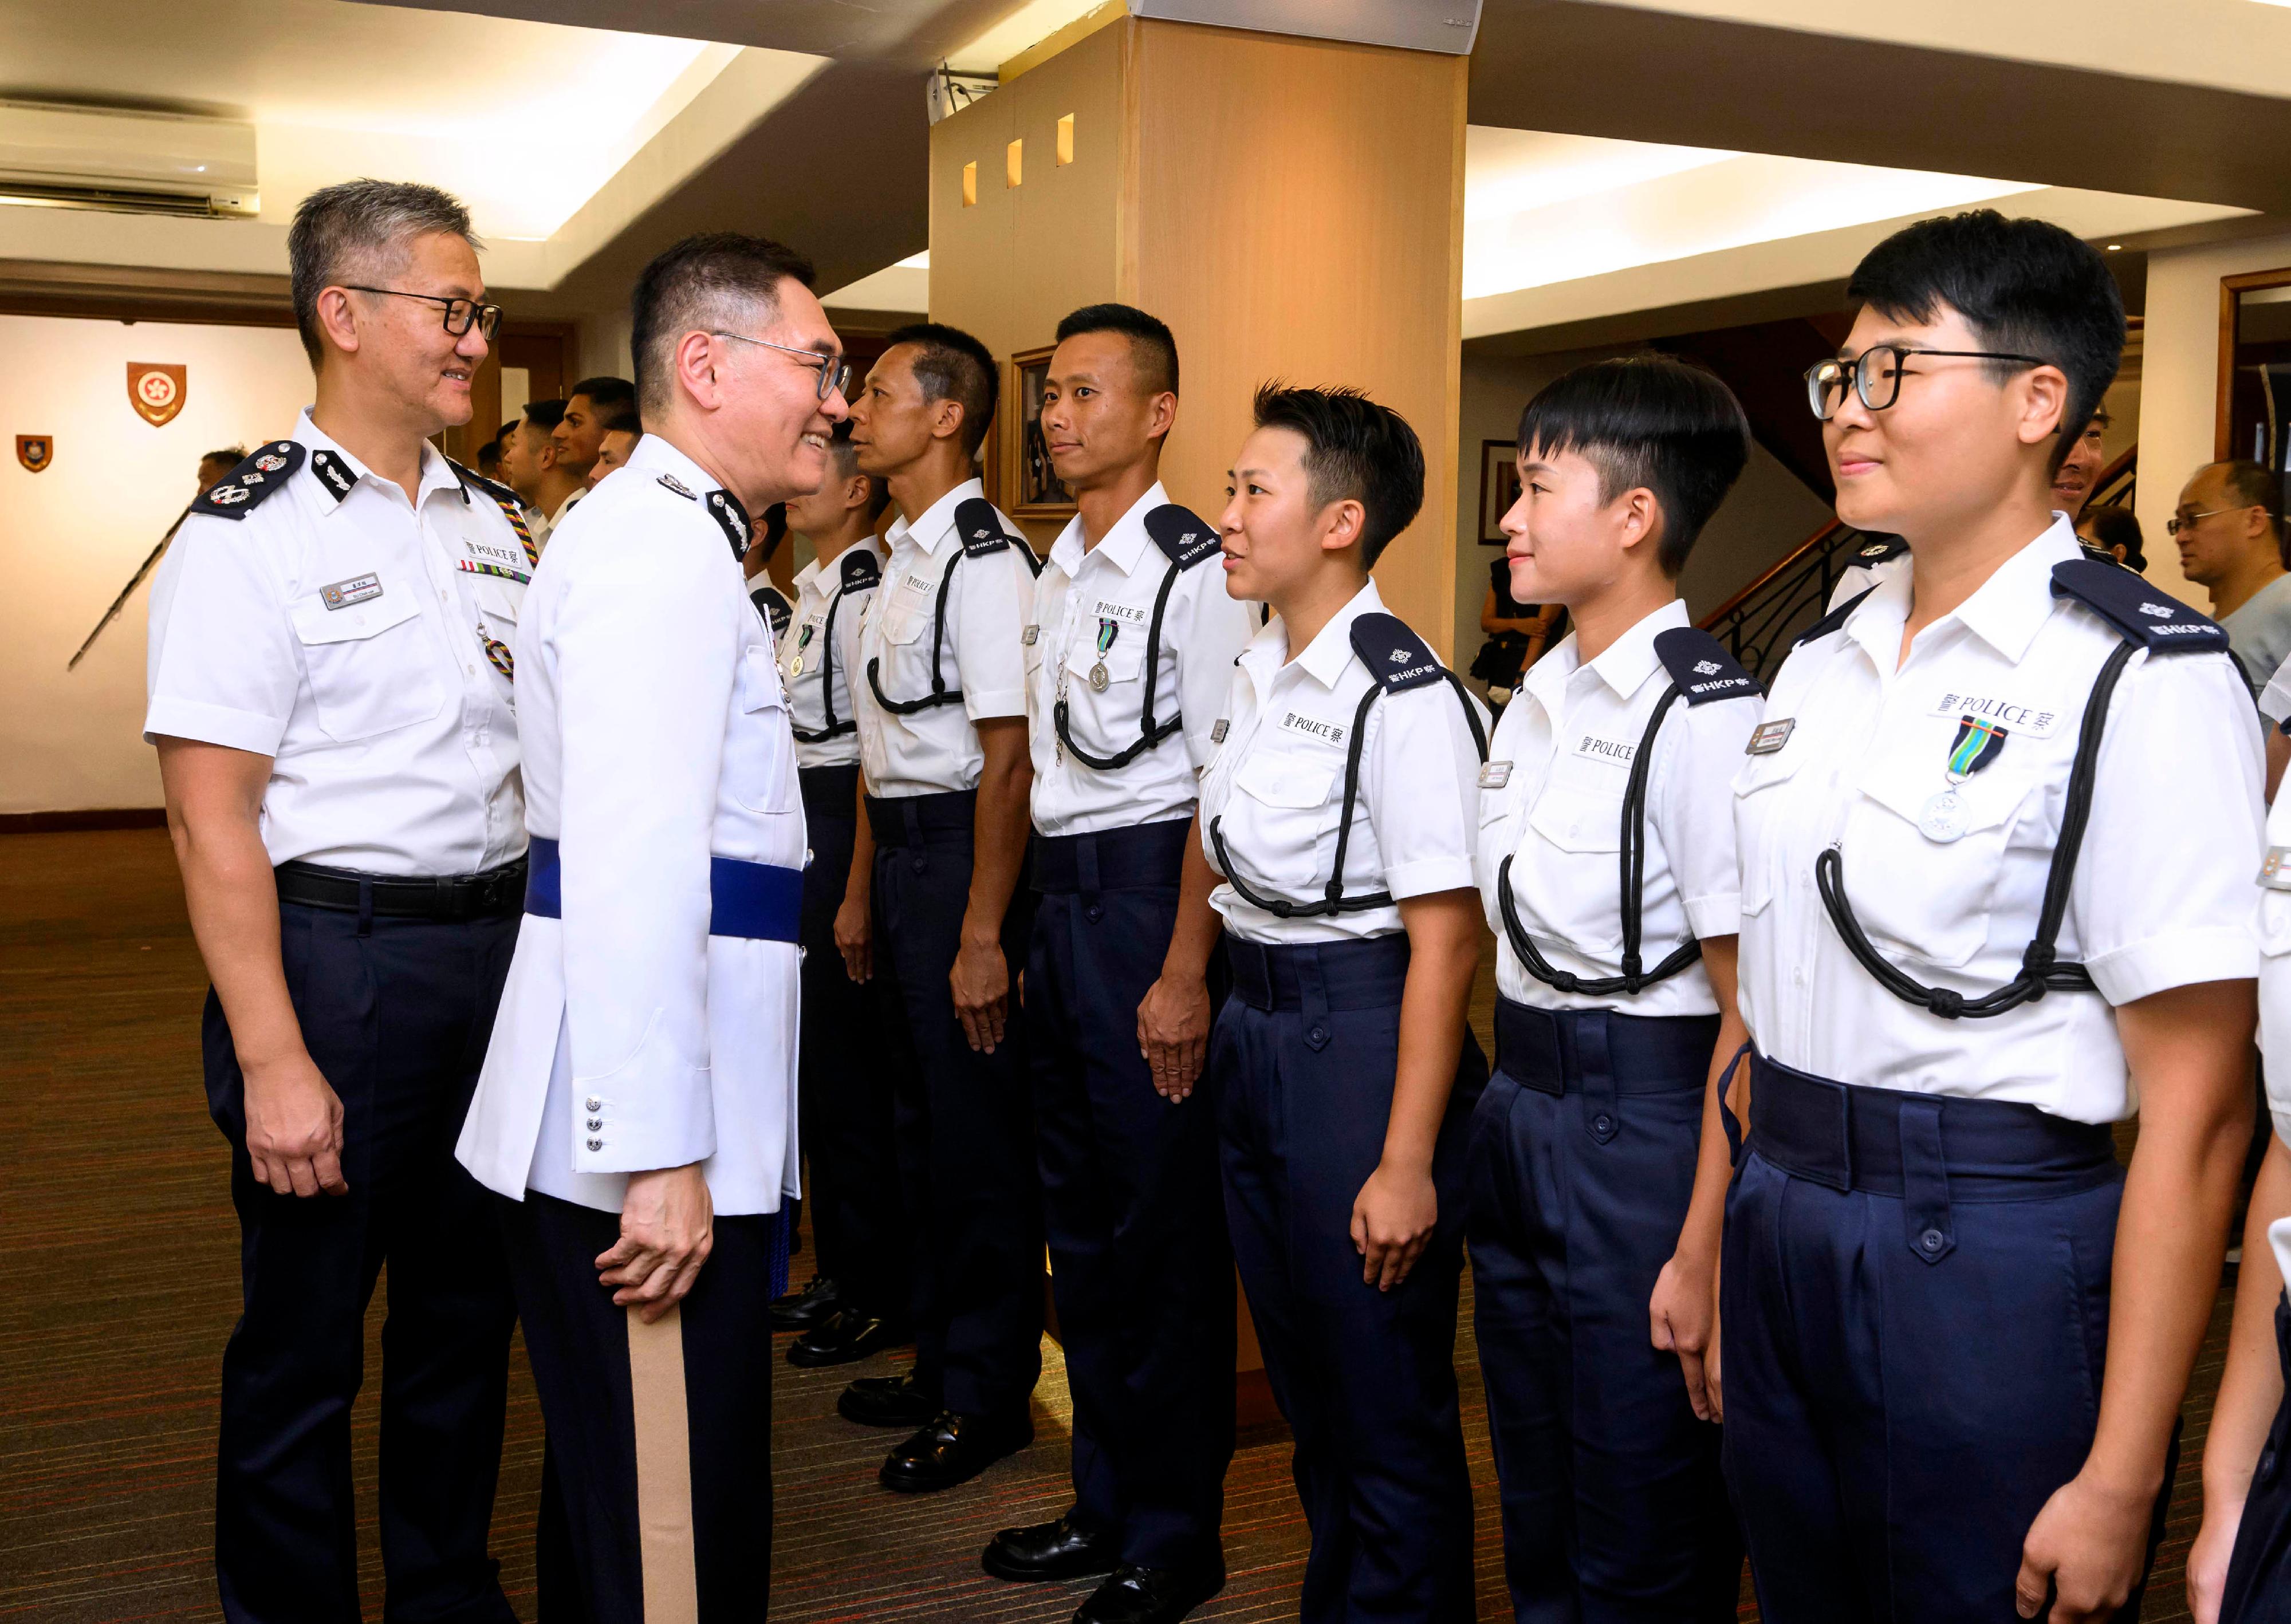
point(678, 486)
point(228, 495)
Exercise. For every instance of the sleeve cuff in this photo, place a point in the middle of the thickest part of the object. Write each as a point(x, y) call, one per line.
point(677, 1127)
point(991, 704)
point(190, 719)
point(1431, 875)
point(2275, 702)
point(2183, 959)
point(1711, 916)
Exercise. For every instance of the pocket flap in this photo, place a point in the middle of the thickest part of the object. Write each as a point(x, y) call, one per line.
point(760, 680)
point(1285, 781)
point(1904, 786)
point(316, 624)
point(1577, 820)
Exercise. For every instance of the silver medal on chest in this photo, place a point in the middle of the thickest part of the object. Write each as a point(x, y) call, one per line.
point(1943, 818)
point(1097, 678)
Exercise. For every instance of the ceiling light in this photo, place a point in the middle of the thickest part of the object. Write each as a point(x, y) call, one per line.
point(2119, 247)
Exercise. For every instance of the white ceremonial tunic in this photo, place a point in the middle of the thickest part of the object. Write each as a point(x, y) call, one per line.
point(1083, 600)
point(810, 662)
point(342, 632)
point(656, 736)
point(1552, 800)
point(2161, 897)
point(1275, 788)
point(2272, 921)
point(935, 750)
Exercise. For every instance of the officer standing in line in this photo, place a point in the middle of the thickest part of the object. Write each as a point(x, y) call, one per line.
point(1341, 811)
point(637, 1113)
point(1924, 1266)
point(330, 695)
point(941, 708)
point(1598, 1167)
point(859, 1302)
point(1129, 654)
point(771, 603)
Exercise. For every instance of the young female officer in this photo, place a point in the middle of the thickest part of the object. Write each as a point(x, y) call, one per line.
point(1339, 810)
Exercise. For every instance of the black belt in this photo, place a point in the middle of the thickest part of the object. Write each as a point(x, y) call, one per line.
point(1137, 858)
point(946, 817)
point(1565, 1051)
point(830, 792)
point(1320, 977)
point(498, 893)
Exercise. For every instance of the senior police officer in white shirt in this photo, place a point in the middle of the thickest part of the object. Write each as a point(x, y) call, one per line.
point(330, 698)
point(1996, 833)
point(940, 681)
point(637, 1108)
point(1130, 653)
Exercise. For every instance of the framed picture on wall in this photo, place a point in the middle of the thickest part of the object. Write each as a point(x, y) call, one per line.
point(1028, 480)
point(1498, 488)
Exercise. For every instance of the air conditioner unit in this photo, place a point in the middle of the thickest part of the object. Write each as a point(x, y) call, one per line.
point(133, 162)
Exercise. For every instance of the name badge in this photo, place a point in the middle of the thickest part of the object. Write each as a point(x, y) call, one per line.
point(1313, 727)
point(917, 585)
point(1614, 753)
point(493, 552)
point(1495, 774)
point(1121, 612)
point(1218, 733)
point(1768, 737)
point(2275, 870)
point(357, 589)
point(2028, 722)
point(1028, 636)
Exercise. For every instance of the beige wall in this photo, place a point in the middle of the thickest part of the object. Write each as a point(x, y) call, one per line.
point(72, 535)
point(2179, 397)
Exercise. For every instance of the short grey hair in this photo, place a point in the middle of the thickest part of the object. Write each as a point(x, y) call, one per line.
point(715, 280)
point(341, 231)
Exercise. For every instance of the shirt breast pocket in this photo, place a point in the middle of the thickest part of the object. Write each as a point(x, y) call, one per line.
point(371, 669)
point(1762, 807)
point(1580, 905)
point(759, 753)
point(1933, 900)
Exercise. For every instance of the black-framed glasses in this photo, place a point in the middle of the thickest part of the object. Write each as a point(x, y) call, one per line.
point(460, 313)
point(1876, 373)
point(835, 371)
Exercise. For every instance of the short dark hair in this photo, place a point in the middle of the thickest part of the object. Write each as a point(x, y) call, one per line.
point(1353, 449)
point(952, 365)
point(708, 280)
point(508, 429)
point(1651, 421)
point(1153, 347)
point(543, 414)
point(233, 455)
point(488, 455)
point(2250, 484)
point(2113, 528)
point(845, 456)
point(606, 395)
point(621, 419)
point(2023, 286)
point(360, 229)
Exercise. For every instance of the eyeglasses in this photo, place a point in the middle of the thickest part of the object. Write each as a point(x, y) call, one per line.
point(2187, 521)
point(460, 313)
point(835, 371)
point(1877, 375)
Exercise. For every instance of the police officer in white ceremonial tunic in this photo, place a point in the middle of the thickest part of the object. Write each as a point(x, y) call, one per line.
point(331, 697)
point(1996, 833)
point(637, 1109)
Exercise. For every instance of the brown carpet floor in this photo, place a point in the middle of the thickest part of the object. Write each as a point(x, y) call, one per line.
point(117, 1287)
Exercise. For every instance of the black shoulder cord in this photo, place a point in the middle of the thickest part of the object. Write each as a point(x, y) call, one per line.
point(2041, 972)
point(1634, 980)
point(1150, 732)
point(940, 694)
point(833, 730)
point(1333, 899)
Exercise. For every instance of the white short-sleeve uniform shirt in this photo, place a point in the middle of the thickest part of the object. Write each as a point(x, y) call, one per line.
point(817, 650)
point(1552, 802)
point(974, 651)
point(2272, 921)
point(363, 642)
point(1274, 794)
point(1094, 612)
point(1856, 744)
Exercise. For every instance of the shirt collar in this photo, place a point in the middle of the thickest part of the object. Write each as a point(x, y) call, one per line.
point(2007, 611)
point(436, 473)
point(813, 570)
point(1325, 657)
point(1630, 659)
point(654, 455)
point(566, 506)
point(1121, 546)
point(931, 531)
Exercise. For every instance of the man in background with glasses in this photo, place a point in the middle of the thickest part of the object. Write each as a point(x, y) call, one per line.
point(330, 695)
point(2228, 529)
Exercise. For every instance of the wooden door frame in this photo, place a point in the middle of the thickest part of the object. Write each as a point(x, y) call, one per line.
point(2230, 287)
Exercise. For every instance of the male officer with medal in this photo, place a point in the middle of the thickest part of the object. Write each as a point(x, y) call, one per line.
point(330, 695)
point(1956, 1332)
point(1128, 653)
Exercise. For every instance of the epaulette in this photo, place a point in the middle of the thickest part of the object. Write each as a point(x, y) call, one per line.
point(494, 488)
point(980, 527)
point(1700, 665)
point(334, 477)
point(860, 571)
point(2100, 555)
point(1876, 549)
point(1180, 532)
point(506, 500)
point(1395, 656)
point(2157, 621)
point(775, 609)
point(1830, 621)
point(732, 519)
point(235, 495)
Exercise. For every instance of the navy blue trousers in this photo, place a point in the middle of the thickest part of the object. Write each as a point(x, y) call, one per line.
point(1303, 1059)
point(2258, 1589)
point(1582, 1162)
point(397, 1014)
point(843, 1077)
point(1140, 1264)
point(962, 1120)
point(1914, 1298)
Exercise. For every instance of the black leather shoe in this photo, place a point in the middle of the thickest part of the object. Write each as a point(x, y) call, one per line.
point(802, 1310)
point(1063, 1549)
point(887, 1400)
point(1149, 1595)
point(841, 1338)
point(953, 1449)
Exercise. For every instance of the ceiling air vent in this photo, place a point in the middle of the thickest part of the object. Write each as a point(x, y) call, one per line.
point(130, 162)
